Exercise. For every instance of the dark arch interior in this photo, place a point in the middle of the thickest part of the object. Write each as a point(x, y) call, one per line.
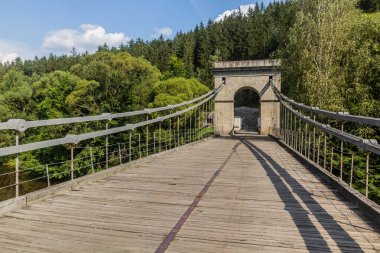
point(247, 98)
point(247, 108)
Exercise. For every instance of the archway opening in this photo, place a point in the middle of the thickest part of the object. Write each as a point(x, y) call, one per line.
point(247, 110)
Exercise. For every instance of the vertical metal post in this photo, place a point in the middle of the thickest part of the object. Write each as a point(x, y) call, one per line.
point(17, 172)
point(284, 124)
point(306, 138)
point(185, 132)
point(107, 146)
point(139, 145)
point(294, 126)
point(120, 158)
point(288, 125)
point(282, 121)
point(291, 131)
point(318, 148)
point(352, 169)
point(302, 141)
point(130, 146)
point(170, 133)
point(47, 175)
point(215, 119)
point(308, 142)
point(178, 139)
point(190, 129)
point(159, 138)
point(195, 125)
point(154, 142)
point(325, 151)
point(332, 160)
point(72, 163)
point(314, 141)
point(367, 176)
point(166, 140)
point(200, 135)
point(92, 161)
point(341, 156)
point(295, 134)
point(147, 137)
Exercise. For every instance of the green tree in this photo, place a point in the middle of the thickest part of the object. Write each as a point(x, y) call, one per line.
point(369, 5)
point(15, 95)
point(176, 90)
point(125, 82)
point(311, 60)
point(176, 68)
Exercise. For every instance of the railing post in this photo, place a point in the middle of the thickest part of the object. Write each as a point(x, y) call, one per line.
point(107, 146)
point(341, 156)
point(318, 148)
point(302, 138)
point(200, 134)
point(154, 142)
point(332, 160)
point(352, 169)
point(298, 136)
point(282, 118)
point(139, 145)
point(130, 145)
point(294, 122)
point(325, 151)
point(305, 139)
point(185, 132)
point(215, 118)
point(190, 140)
point(17, 172)
point(92, 161)
point(367, 176)
point(166, 140)
point(178, 139)
point(309, 141)
point(47, 175)
point(72, 163)
point(159, 138)
point(314, 141)
point(147, 137)
point(170, 133)
point(284, 124)
point(196, 125)
point(120, 158)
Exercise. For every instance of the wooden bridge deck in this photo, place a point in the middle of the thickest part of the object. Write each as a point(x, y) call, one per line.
point(250, 198)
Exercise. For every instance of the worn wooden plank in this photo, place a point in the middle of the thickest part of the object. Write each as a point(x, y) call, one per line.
point(263, 200)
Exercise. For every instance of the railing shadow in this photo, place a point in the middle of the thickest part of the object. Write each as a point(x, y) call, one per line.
point(312, 237)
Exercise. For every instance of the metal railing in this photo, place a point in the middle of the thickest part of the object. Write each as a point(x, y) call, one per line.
point(344, 155)
point(184, 123)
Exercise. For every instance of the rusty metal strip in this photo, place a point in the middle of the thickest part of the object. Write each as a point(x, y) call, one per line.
point(170, 237)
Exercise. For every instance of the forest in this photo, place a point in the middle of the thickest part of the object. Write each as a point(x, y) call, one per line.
point(330, 53)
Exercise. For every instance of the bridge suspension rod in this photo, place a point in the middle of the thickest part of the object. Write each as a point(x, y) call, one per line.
point(363, 144)
point(344, 116)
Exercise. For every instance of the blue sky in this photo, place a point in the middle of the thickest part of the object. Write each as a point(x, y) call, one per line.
point(38, 27)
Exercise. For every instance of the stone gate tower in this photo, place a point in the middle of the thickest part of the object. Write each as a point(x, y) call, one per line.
point(251, 75)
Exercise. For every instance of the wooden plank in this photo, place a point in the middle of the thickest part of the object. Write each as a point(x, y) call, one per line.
point(263, 200)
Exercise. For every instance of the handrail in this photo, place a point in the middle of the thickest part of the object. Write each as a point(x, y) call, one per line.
point(345, 116)
point(75, 139)
point(22, 125)
point(364, 144)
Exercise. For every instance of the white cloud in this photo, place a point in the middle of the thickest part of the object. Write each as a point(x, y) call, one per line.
point(164, 31)
point(243, 8)
point(89, 37)
point(10, 50)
